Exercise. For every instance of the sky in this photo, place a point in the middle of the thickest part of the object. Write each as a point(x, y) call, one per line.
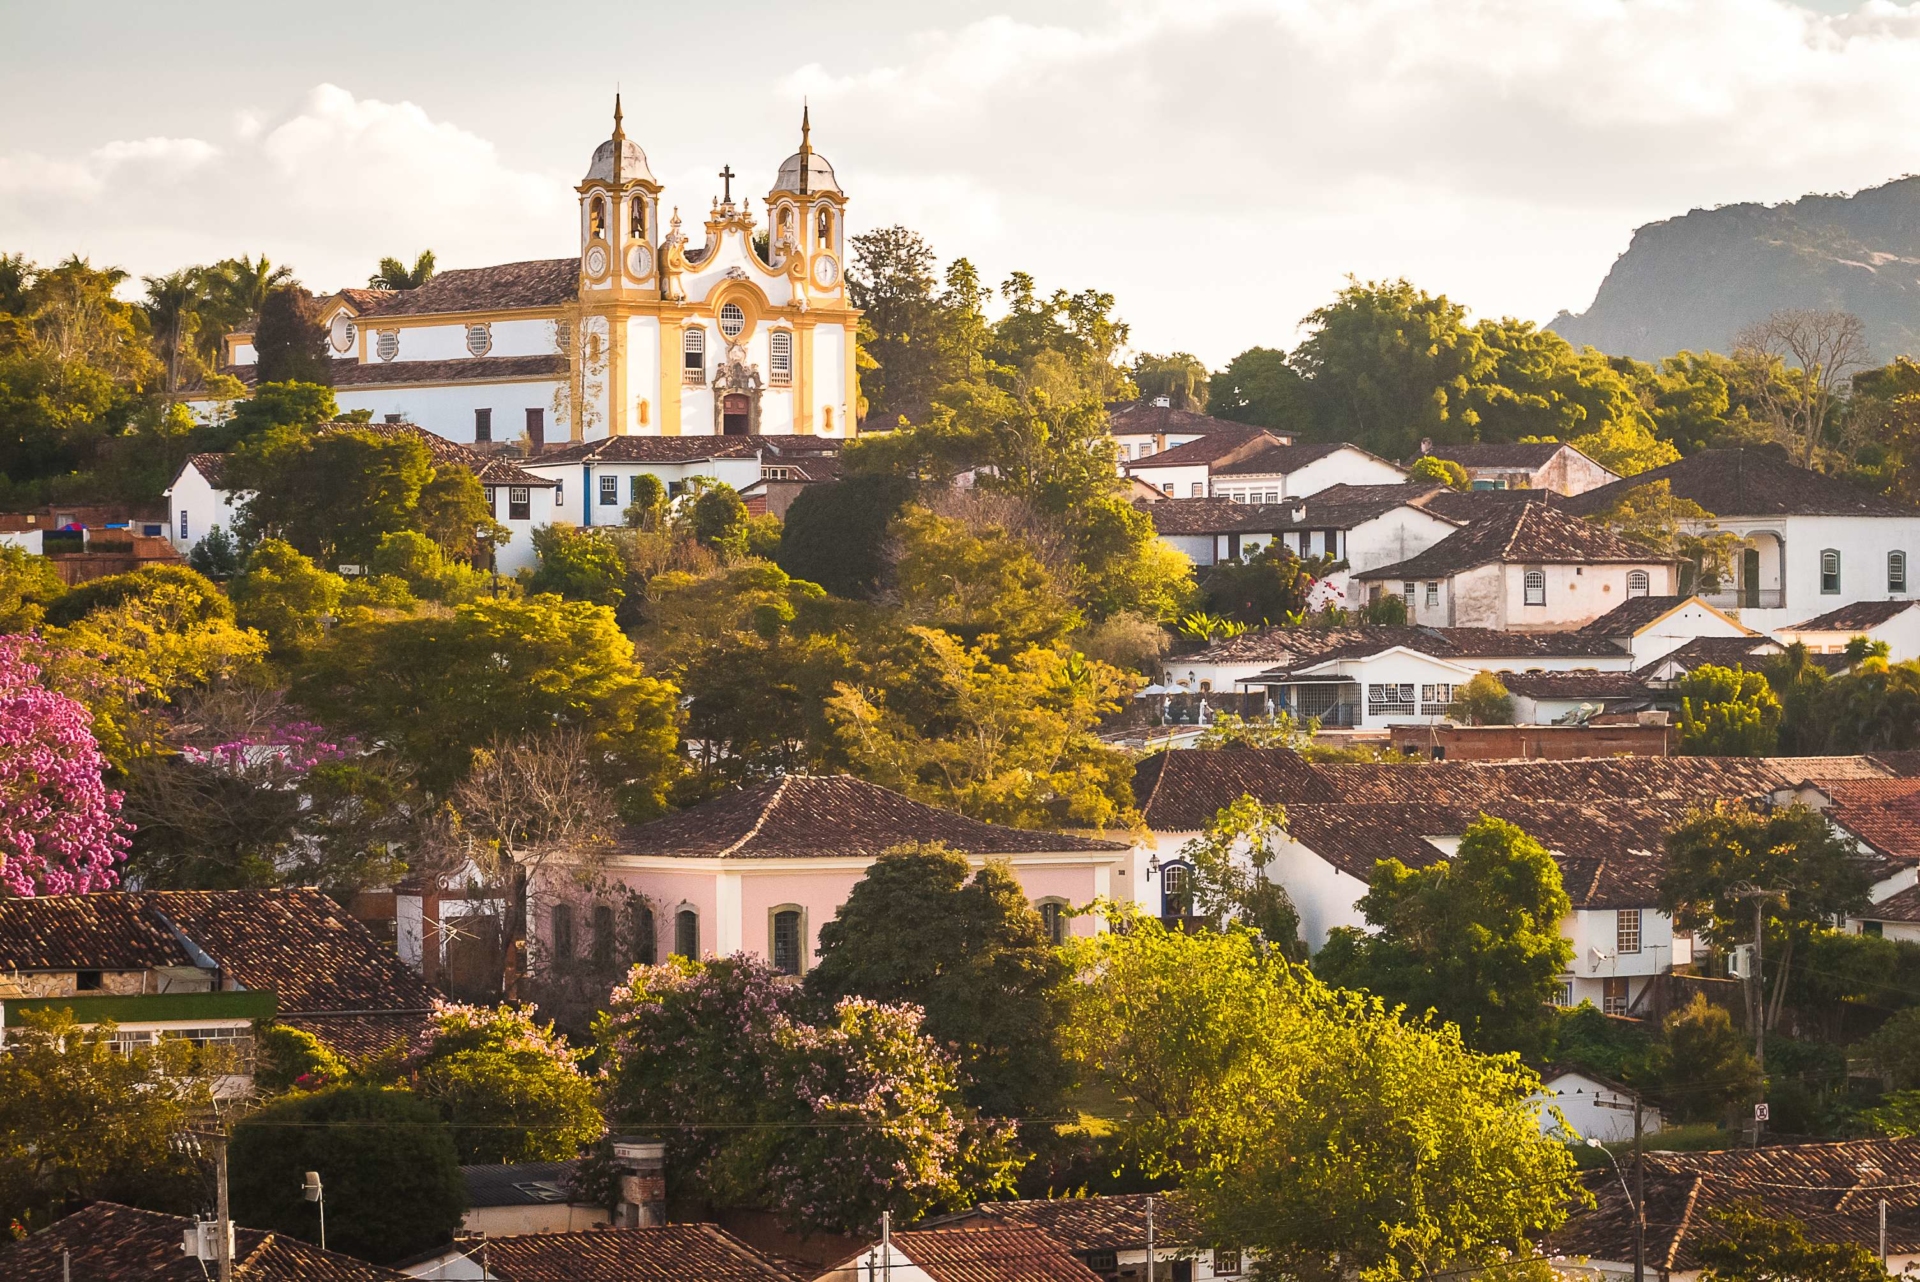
point(1220, 166)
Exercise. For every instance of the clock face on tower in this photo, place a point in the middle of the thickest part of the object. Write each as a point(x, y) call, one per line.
point(825, 271)
point(639, 261)
point(596, 261)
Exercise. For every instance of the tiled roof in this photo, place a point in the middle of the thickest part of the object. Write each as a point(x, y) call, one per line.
point(1748, 482)
point(1584, 683)
point(439, 448)
point(1678, 779)
point(108, 1242)
point(788, 444)
point(1342, 507)
point(669, 1253)
point(1721, 652)
point(1288, 648)
point(1882, 812)
point(211, 466)
point(1904, 762)
point(542, 282)
point(364, 300)
point(1279, 460)
point(1633, 614)
point(798, 816)
point(1210, 449)
point(1471, 505)
point(518, 1183)
point(1525, 534)
point(85, 932)
point(1181, 791)
point(500, 471)
point(1858, 617)
point(1216, 516)
point(1834, 1190)
point(973, 1252)
point(650, 449)
point(464, 369)
point(1904, 906)
point(1531, 455)
point(1111, 1222)
point(1143, 417)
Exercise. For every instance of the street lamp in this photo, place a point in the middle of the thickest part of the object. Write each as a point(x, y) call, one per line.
point(311, 1190)
point(1636, 1205)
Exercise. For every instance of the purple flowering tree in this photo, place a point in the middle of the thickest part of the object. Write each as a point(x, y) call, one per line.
point(824, 1116)
point(60, 826)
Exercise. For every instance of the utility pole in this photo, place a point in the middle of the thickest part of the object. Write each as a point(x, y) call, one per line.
point(1639, 1199)
point(886, 1246)
point(1149, 1238)
point(1883, 1232)
point(223, 1238)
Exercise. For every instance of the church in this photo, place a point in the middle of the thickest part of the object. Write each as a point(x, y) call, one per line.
point(638, 334)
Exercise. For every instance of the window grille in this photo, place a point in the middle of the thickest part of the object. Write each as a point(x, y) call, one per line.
point(1226, 1261)
point(1391, 699)
point(1198, 490)
point(1176, 892)
point(1563, 995)
point(1637, 583)
point(786, 941)
point(1053, 916)
point(479, 339)
point(492, 497)
point(1829, 572)
point(686, 934)
point(732, 320)
point(641, 917)
point(609, 491)
point(1435, 699)
point(1613, 997)
point(1626, 931)
point(562, 919)
point(1536, 587)
point(1896, 571)
point(693, 356)
point(482, 426)
point(780, 357)
point(1433, 594)
point(387, 345)
point(519, 503)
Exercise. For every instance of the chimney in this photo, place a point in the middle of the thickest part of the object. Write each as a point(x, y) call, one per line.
point(642, 1164)
point(393, 418)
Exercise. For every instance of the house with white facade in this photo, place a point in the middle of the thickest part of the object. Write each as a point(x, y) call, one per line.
point(1524, 567)
point(1651, 627)
point(1895, 621)
point(1144, 428)
point(638, 332)
point(594, 479)
point(1362, 525)
point(198, 501)
point(1809, 543)
point(1593, 1106)
point(1109, 1234)
point(1185, 471)
point(971, 1251)
point(1273, 473)
point(1534, 465)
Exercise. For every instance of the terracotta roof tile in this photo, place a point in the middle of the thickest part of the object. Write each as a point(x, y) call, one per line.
point(541, 282)
point(1904, 762)
point(1111, 1222)
point(1215, 447)
point(1299, 647)
point(85, 932)
point(1531, 455)
point(1134, 418)
point(1858, 617)
point(1182, 790)
point(668, 1253)
point(1633, 614)
point(1584, 683)
point(990, 1253)
point(211, 466)
point(1520, 534)
point(1883, 812)
point(465, 369)
point(1748, 482)
point(1721, 652)
point(811, 815)
point(108, 1242)
point(650, 449)
point(1283, 459)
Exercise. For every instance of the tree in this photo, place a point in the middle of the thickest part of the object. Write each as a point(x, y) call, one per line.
point(1821, 349)
point(510, 1087)
point(1482, 701)
point(60, 828)
point(287, 1058)
point(216, 555)
point(716, 516)
point(1894, 1050)
point(442, 684)
point(288, 342)
point(1677, 528)
point(579, 564)
point(172, 304)
point(1727, 712)
point(1259, 386)
point(291, 405)
point(1751, 1242)
point(1229, 860)
point(238, 289)
point(84, 1118)
point(892, 283)
point(1311, 1126)
point(388, 1162)
point(332, 494)
point(394, 273)
point(1475, 938)
point(285, 596)
point(454, 512)
point(424, 568)
point(1180, 377)
point(1268, 586)
point(1721, 861)
point(972, 577)
point(1874, 708)
point(971, 953)
point(1439, 471)
point(831, 1120)
point(648, 510)
point(28, 585)
point(1703, 1063)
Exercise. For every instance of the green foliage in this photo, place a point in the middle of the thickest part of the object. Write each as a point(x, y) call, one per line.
point(835, 534)
point(1311, 1126)
point(331, 494)
point(1615, 1048)
point(716, 516)
point(1727, 712)
point(217, 555)
point(289, 343)
point(1180, 377)
point(28, 585)
point(1873, 708)
point(288, 1059)
point(1482, 701)
point(1897, 1114)
point(1751, 1242)
point(1261, 387)
point(1229, 860)
point(82, 1120)
point(1475, 938)
point(975, 579)
point(423, 566)
point(971, 953)
point(1894, 1050)
point(453, 512)
point(1261, 587)
point(191, 597)
point(298, 406)
point(393, 273)
point(440, 685)
point(648, 510)
point(1439, 471)
point(579, 564)
point(285, 596)
point(388, 1162)
point(1385, 610)
point(1704, 1063)
point(510, 1087)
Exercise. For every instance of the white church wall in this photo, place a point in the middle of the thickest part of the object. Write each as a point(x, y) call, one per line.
point(1394, 536)
point(446, 409)
point(643, 376)
point(829, 380)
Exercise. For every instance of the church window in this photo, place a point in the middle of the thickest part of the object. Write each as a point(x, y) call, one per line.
point(1535, 584)
point(826, 229)
point(597, 217)
point(1638, 584)
point(479, 339)
point(609, 491)
point(641, 914)
point(387, 346)
point(789, 941)
point(482, 425)
point(637, 217)
point(693, 355)
point(732, 319)
point(686, 934)
point(519, 503)
point(602, 935)
point(780, 356)
point(562, 919)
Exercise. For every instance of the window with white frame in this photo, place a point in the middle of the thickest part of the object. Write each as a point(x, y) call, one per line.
point(1390, 699)
point(1563, 995)
point(1433, 594)
point(1614, 998)
point(386, 345)
point(1226, 1262)
point(732, 320)
point(1435, 698)
point(693, 355)
point(780, 357)
point(1830, 572)
point(1535, 587)
point(1638, 584)
point(1626, 930)
point(1896, 571)
point(686, 934)
point(789, 930)
point(1406, 592)
point(609, 491)
point(519, 503)
point(1198, 490)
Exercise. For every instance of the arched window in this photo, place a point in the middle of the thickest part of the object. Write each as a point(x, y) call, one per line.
point(693, 350)
point(732, 319)
point(602, 935)
point(597, 216)
point(686, 934)
point(640, 916)
point(826, 229)
point(637, 217)
point(1536, 587)
point(1830, 572)
point(1896, 571)
point(561, 920)
point(1637, 583)
point(780, 357)
point(1176, 891)
point(787, 929)
point(1053, 917)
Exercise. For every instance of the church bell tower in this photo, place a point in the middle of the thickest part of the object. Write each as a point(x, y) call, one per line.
point(619, 221)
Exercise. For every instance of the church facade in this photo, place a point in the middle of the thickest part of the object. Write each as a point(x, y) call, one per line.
point(639, 334)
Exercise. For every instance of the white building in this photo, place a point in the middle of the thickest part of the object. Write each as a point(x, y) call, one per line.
point(198, 502)
point(1108, 1233)
point(1896, 622)
point(1594, 1107)
point(1809, 543)
point(1652, 627)
point(1276, 472)
point(1522, 567)
point(1537, 465)
point(1363, 525)
point(595, 478)
point(1184, 471)
point(1144, 428)
point(637, 333)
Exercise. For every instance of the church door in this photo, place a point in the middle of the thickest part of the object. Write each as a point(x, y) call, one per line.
point(734, 414)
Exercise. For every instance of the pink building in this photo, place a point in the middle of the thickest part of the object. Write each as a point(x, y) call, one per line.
point(762, 869)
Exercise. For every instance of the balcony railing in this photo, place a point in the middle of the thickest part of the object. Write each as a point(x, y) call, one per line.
point(693, 377)
point(1746, 598)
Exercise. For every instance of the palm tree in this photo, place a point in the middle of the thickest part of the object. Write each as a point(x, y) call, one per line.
point(395, 274)
point(237, 289)
point(171, 301)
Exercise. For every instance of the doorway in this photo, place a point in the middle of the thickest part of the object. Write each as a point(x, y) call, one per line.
point(735, 415)
point(1750, 578)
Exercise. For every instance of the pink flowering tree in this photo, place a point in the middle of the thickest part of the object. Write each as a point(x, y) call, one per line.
point(60, 827)
point(825, 1116)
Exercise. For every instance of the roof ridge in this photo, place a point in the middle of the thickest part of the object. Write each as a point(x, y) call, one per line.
point(1685, 1222)
point(766, 812)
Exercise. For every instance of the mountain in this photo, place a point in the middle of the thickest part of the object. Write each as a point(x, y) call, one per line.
point(1693, 282)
